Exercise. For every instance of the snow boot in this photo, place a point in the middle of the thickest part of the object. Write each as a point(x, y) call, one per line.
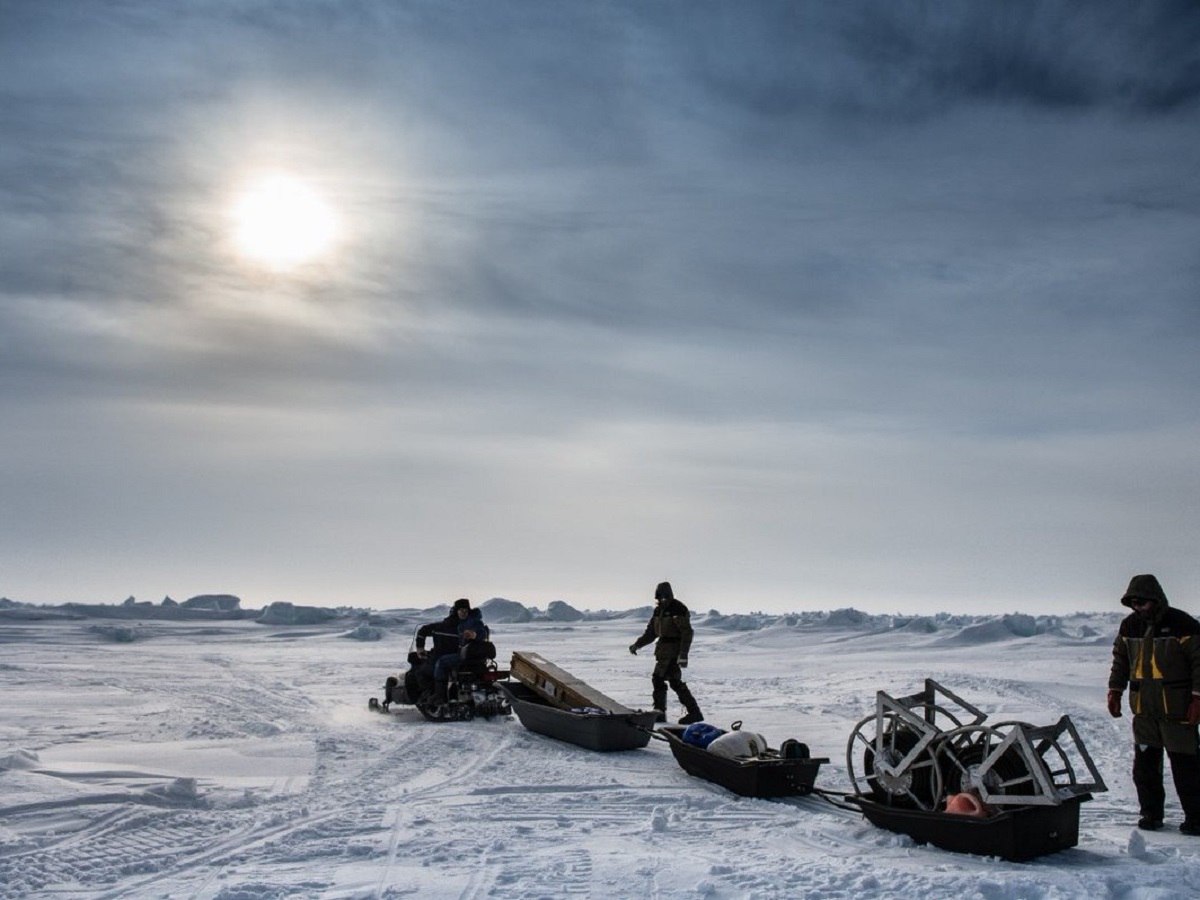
point(1190, 826)
point(658, 696)
point(690, 704)
point(660, 715)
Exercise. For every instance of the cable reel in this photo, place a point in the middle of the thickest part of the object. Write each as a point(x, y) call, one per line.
point(898, 764)
point(1053, 757)
point(978, 759)
point(916, 750)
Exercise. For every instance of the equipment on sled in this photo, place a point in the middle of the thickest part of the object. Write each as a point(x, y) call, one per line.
point(553, 702)
point(916, 752)
point(754, 769)
point(738, 744)
point(471, 690)
point(917, 749)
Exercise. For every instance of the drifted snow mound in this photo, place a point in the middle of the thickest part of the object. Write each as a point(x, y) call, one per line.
point(219, 602)
point(715, 619)
point(1004, 628)
point(19, 759)
point(121, 634)
point(499, 611)
point(364, 633)
point(847, 617)
point(284, 613)
point(559, 611)
point(920, 625)
point(181, 792)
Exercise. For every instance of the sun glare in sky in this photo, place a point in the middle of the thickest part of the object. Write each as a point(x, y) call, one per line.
point(280, 223)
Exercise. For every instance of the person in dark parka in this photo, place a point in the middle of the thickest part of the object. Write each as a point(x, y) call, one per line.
point(1157, 653)
point(670, 625)
point(472, 641)
point(446, 636)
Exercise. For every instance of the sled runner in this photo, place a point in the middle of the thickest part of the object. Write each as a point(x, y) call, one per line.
point(768, 775)
point(594, 729)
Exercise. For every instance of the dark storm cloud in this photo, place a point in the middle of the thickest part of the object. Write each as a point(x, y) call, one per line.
point(917, 58)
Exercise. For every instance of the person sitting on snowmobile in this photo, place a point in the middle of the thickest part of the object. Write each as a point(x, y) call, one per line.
point(472, 644)
point(446, 641)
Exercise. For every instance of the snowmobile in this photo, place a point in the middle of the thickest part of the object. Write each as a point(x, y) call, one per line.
point(471, 690)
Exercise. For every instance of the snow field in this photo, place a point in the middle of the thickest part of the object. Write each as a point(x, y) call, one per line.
point(241, 762)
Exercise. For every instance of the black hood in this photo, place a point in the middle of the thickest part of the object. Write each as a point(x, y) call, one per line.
point(1144, 587)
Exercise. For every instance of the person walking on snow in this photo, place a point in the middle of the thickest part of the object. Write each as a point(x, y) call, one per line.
point(670, 625)
point(1157, 653)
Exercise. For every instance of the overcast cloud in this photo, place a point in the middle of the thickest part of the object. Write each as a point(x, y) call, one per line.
point(798, 305)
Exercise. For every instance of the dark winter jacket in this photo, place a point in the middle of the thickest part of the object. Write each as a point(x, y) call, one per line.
point(445, 635)
point(476, 647)
point(671, 625)
point(473, 622)
point(1157, 653)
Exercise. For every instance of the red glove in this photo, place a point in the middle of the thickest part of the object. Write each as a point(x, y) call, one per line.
point(1114, 704)
point(1193, 713)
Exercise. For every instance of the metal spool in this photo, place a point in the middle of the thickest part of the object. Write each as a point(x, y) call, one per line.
point(1056, 759)
point(1053, 750)
point(916, 749)
point(897, 765)
point(970, 760)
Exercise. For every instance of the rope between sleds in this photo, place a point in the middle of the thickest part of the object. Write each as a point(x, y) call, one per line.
point(840, 803)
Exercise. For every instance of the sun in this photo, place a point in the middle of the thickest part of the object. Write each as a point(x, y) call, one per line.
point(281, 223)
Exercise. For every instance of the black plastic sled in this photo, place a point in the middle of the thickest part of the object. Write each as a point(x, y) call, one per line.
point(1017, 834)
point(595, 731)
point(764, 776)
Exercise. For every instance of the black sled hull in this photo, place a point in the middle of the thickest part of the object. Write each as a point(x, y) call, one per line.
point(603, 733)
point(770, 777)
point(1017, 835)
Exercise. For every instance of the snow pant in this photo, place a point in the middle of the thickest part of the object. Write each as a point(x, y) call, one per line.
point(427, 673)
point(446, 663)
point(1148, 779)
point(667, 672)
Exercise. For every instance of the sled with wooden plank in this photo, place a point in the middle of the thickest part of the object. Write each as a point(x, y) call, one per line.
point(551, 701)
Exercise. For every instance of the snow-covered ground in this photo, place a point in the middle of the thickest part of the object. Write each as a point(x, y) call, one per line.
point(233, 759)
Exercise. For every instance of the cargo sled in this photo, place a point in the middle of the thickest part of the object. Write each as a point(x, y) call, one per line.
point(1018, 834)
point(918, 754)
point(767, 775)
point(551, 701)
point(596, 730)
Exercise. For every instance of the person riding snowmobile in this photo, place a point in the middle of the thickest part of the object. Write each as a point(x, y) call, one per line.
point(446, 639)
point(470, 644)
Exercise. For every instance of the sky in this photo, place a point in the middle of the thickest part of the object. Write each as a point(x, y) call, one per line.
point(890, 305)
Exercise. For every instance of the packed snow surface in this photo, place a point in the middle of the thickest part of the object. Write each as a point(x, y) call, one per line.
point(237, 759)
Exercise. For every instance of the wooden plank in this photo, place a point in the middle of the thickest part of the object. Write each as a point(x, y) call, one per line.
point(558, 685)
